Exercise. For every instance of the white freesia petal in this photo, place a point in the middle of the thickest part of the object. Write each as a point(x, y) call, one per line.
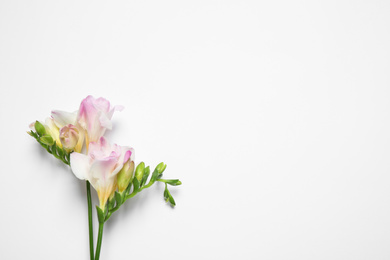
point(102, 178)
point(105, 121)
point(80, 165)
point(62, 118)
point(102, 169)
point(53, 130)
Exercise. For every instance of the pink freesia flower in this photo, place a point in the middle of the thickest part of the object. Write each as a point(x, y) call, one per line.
point(94, 116)
point(101, 166)
point(69, 137)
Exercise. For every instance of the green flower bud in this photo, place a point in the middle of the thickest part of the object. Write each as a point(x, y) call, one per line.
point(125, 176)
point(47, 139)
point(39, 128)
point(139, 172)
point(161, 167)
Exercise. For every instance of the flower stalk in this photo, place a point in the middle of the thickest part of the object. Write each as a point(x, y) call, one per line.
point(99, 241)
point(90, 223)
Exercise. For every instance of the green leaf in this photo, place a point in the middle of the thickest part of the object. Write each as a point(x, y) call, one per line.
point(47, 139)
point(100, 214)
point(39, 128)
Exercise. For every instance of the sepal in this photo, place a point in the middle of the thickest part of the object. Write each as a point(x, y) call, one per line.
point(101, 215)
point(118, 199)
point(145, 176)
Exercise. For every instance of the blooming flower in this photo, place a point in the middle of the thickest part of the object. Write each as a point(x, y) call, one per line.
point(90, 122)
point(94, 116)
point(101, 166)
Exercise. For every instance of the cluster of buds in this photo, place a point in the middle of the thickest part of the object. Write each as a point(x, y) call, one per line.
point(132, 182)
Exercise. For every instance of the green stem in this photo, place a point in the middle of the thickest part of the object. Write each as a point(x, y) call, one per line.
point(99, 242)
point(90, 221)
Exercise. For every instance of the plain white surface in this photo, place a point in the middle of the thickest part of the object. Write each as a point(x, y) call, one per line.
point(274, 114)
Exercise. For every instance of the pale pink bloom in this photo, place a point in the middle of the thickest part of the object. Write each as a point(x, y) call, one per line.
point(101, 166)
point(94, 116)
point(69, 137)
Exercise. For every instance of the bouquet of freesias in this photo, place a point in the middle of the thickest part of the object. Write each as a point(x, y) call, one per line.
point(77, 139)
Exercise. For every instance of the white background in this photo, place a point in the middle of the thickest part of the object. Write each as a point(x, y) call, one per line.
point(274, 114)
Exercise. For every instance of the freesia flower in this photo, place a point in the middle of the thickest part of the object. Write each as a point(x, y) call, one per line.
point(101, 166)
point(69, 137)
point(89, 122)
point(94, 116)
point(54, 124)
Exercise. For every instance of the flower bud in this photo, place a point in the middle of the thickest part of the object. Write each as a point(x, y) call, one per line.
point(47, 139)
point(39, 128)
point(125, 175)
point(139, 172)
point(69, 136)
point(161, 167)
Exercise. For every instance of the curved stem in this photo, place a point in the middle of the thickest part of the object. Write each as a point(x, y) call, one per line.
point(90, 221)
point(99, 242)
